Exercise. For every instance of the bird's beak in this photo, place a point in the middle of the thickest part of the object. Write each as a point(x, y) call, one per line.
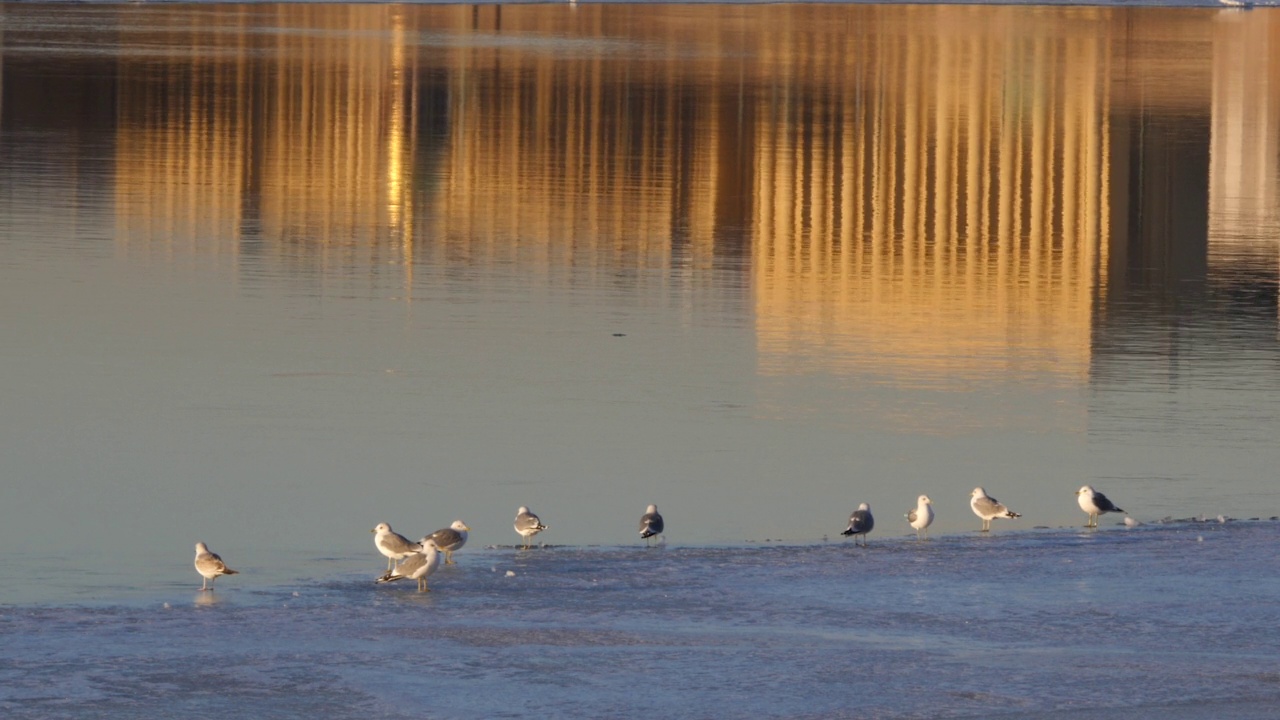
point(1078, 492)
point(466, 527)
point(375, 530)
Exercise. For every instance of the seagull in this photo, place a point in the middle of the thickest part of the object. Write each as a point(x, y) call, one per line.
point(988, 508)
point(210, 566)
point(451, 539)
point(1094, 503)
point(921, 517)
point(860, 523)
point(394, 545)
point(650, 523)
point(418, 566)
point(527, 524)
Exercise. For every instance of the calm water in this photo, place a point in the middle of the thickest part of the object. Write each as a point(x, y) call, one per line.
point(273, 274)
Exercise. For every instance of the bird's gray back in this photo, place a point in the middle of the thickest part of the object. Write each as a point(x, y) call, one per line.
point(651, 522)
point(861, 521)
point(989, 506)
point(1104, 504)
point(411, 564)
point(528, 521)
point(397, 543)
point(446, 538)
point(210, 562)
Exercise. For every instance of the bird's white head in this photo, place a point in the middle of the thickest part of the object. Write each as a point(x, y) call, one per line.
point(428, 544)
point(382, 528)
point(978, 492)
point(459, 525)
point(201, 548)
point(864, 506)
point(1086, 490)
point(522, 510)
point(924, 500)
point(651, 508)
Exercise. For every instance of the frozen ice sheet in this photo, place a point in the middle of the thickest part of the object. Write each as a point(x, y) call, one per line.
point(1178, 619)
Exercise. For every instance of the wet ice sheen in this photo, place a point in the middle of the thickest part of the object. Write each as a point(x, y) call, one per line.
point(1178, 619)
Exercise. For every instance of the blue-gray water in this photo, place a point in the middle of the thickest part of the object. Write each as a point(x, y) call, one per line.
point(1176, 620)
point(273, 274)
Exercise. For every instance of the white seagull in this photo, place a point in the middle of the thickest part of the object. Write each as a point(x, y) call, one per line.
point(860, 523)
point(921, 516)
point(988, 508)
point(451, 539)
point(527, 524)
point(418, 566)
point(650, 523)
point(392, 544)
point(210, 566)
point(1094, 503)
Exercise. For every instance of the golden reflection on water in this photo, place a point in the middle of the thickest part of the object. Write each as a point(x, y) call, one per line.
point(942, 192)
point(955, 204)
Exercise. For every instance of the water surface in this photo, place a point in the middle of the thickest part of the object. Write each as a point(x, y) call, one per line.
point(282, 272)
point(276, 273)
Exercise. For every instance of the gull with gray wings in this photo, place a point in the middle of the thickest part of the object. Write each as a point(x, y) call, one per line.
point(210, 566)
point(988, 508)
point(1094, 503)
point(650, 523)
point(392, 544)
point(921, 516)
point(451, 539)
point(527, 524)
point(860, 523)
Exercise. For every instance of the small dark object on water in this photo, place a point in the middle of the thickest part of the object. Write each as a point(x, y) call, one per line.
point(619, 334)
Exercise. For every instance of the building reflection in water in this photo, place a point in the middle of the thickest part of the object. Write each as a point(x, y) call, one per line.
point(295, 145)
point(944, 192)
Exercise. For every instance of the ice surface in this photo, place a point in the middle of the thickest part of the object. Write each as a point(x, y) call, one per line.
point(1025, 624)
